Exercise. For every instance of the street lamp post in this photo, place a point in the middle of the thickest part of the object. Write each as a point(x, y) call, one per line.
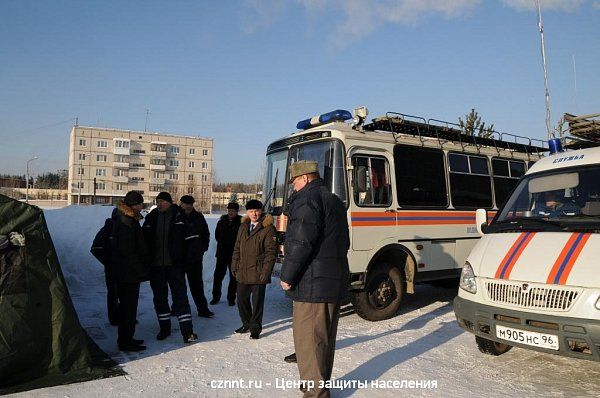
point(27, 182)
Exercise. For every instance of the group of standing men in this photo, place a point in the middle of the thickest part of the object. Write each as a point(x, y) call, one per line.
point(172, 240)
point(166, 249)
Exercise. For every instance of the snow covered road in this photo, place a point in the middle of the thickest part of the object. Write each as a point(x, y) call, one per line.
point(422, 343)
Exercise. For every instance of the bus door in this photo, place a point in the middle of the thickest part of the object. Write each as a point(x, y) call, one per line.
point(373, 213)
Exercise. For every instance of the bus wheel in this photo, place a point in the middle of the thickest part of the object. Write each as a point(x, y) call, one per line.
point(382, 294)
point(491, 347)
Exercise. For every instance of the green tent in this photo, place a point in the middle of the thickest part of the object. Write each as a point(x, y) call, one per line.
point(42, 342)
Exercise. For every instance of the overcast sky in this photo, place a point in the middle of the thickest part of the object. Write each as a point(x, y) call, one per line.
point(245, 72)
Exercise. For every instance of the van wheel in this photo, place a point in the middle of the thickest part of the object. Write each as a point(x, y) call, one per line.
point(382, 294)
point(491, 347)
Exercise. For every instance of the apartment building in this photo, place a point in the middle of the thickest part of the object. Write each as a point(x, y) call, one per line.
point(124, 160)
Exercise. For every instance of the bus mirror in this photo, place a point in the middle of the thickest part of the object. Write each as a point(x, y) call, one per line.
point(360, 182)
point(481, 220)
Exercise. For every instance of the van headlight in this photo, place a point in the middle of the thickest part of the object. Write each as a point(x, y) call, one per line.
point(467, 279)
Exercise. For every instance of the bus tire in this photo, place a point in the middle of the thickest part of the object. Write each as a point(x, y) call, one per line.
point(382, 294)
point(491, 347)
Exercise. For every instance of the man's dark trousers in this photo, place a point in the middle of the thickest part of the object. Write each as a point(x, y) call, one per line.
point(223, 264)
point(173, 277)
point(112, 297)
point(128, 297)
point(251, 313)
point(194, 277)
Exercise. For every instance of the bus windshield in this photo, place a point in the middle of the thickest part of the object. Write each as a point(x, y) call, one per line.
point(330, 157)
point(560, 200)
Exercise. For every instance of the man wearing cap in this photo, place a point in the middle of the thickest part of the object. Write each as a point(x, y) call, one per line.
point(165, 230)
point(252, 264)
point(130, 260)
point(225, 235)
point(196, 243)
point(315, 271)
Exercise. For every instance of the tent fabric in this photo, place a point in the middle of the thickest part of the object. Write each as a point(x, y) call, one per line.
point(42, 342)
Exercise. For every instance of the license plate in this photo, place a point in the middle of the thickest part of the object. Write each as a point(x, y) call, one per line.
point(535, 339)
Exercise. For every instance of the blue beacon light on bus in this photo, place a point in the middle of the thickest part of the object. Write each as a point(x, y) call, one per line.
point(337, 115)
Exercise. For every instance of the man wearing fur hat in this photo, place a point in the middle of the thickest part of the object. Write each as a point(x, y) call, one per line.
point(130, 260)
point(252, 264)
point(315, 271)
point(225, 234)
point(165, 231)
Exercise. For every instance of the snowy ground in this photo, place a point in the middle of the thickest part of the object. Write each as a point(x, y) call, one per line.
point(423, 342)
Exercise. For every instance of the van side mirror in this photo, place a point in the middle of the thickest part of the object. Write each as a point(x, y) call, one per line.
point(360, 184)
point(481, 221)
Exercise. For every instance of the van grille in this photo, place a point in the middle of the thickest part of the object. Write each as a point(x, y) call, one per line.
point(526, 296)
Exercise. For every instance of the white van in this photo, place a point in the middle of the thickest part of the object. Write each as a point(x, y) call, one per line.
point(533, 279)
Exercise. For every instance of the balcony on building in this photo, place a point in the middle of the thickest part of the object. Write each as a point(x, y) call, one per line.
point(121, 179)
point(158, 149)
point(158, 181)
point(157, 164)
point(121, 146)
point(121, 162)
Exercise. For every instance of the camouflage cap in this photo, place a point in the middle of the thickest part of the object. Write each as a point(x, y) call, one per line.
point(303, 167)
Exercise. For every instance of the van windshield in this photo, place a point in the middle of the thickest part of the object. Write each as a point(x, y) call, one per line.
point(560, 200)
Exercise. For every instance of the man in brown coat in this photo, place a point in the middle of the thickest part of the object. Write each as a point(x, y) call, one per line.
point(252, 264)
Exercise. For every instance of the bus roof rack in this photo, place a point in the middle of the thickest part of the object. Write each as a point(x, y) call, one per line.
point(584, 130)
point(399, 123)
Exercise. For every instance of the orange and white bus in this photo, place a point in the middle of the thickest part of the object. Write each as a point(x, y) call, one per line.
point(411, 187)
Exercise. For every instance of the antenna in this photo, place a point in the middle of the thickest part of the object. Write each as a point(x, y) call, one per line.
point(146, 124)
point(541, 29)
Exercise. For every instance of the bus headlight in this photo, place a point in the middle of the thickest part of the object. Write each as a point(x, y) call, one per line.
point(467, 279)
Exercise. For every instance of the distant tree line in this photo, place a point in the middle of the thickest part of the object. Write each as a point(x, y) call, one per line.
point(48, 180)
point(239, 187)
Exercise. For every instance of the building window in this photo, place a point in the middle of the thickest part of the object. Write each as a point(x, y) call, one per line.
point(155, 188)
point(100, 186)
point(192, 164)
point(118, 187)
point(137, 178)
point(192, 151)
point(190, 177)
point(190, 190)
point(82, 142)
point(174, 163)
point(203, 191)
point(100, 158)
point(121, 173)
point(80, 170)
point(204, 177)
point(102, 144)
point(174, 176)
point(175, 150)
point(174, 190)
point(82, 156)
point(205, 152)
point(140, 165)
point(101, 172)
point(158, 147)
point(139, 151)
point(122, 144)
point(158, 174)
point(204, 165)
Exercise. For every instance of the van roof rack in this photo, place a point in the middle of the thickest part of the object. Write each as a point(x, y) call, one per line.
point(399, 123)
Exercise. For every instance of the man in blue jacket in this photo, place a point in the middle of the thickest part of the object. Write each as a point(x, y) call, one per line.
point(315, 271)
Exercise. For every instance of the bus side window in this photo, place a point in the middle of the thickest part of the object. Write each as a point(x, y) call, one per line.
point(371, 181)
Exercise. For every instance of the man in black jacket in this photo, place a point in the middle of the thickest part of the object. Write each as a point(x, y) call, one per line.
point(196, 243)
point(225, 235)
point(130, 261)
point(315, 271)
point(165, 230)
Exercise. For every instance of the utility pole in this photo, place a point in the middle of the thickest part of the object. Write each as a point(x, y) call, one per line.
point(27, 182)
point(146, 124)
